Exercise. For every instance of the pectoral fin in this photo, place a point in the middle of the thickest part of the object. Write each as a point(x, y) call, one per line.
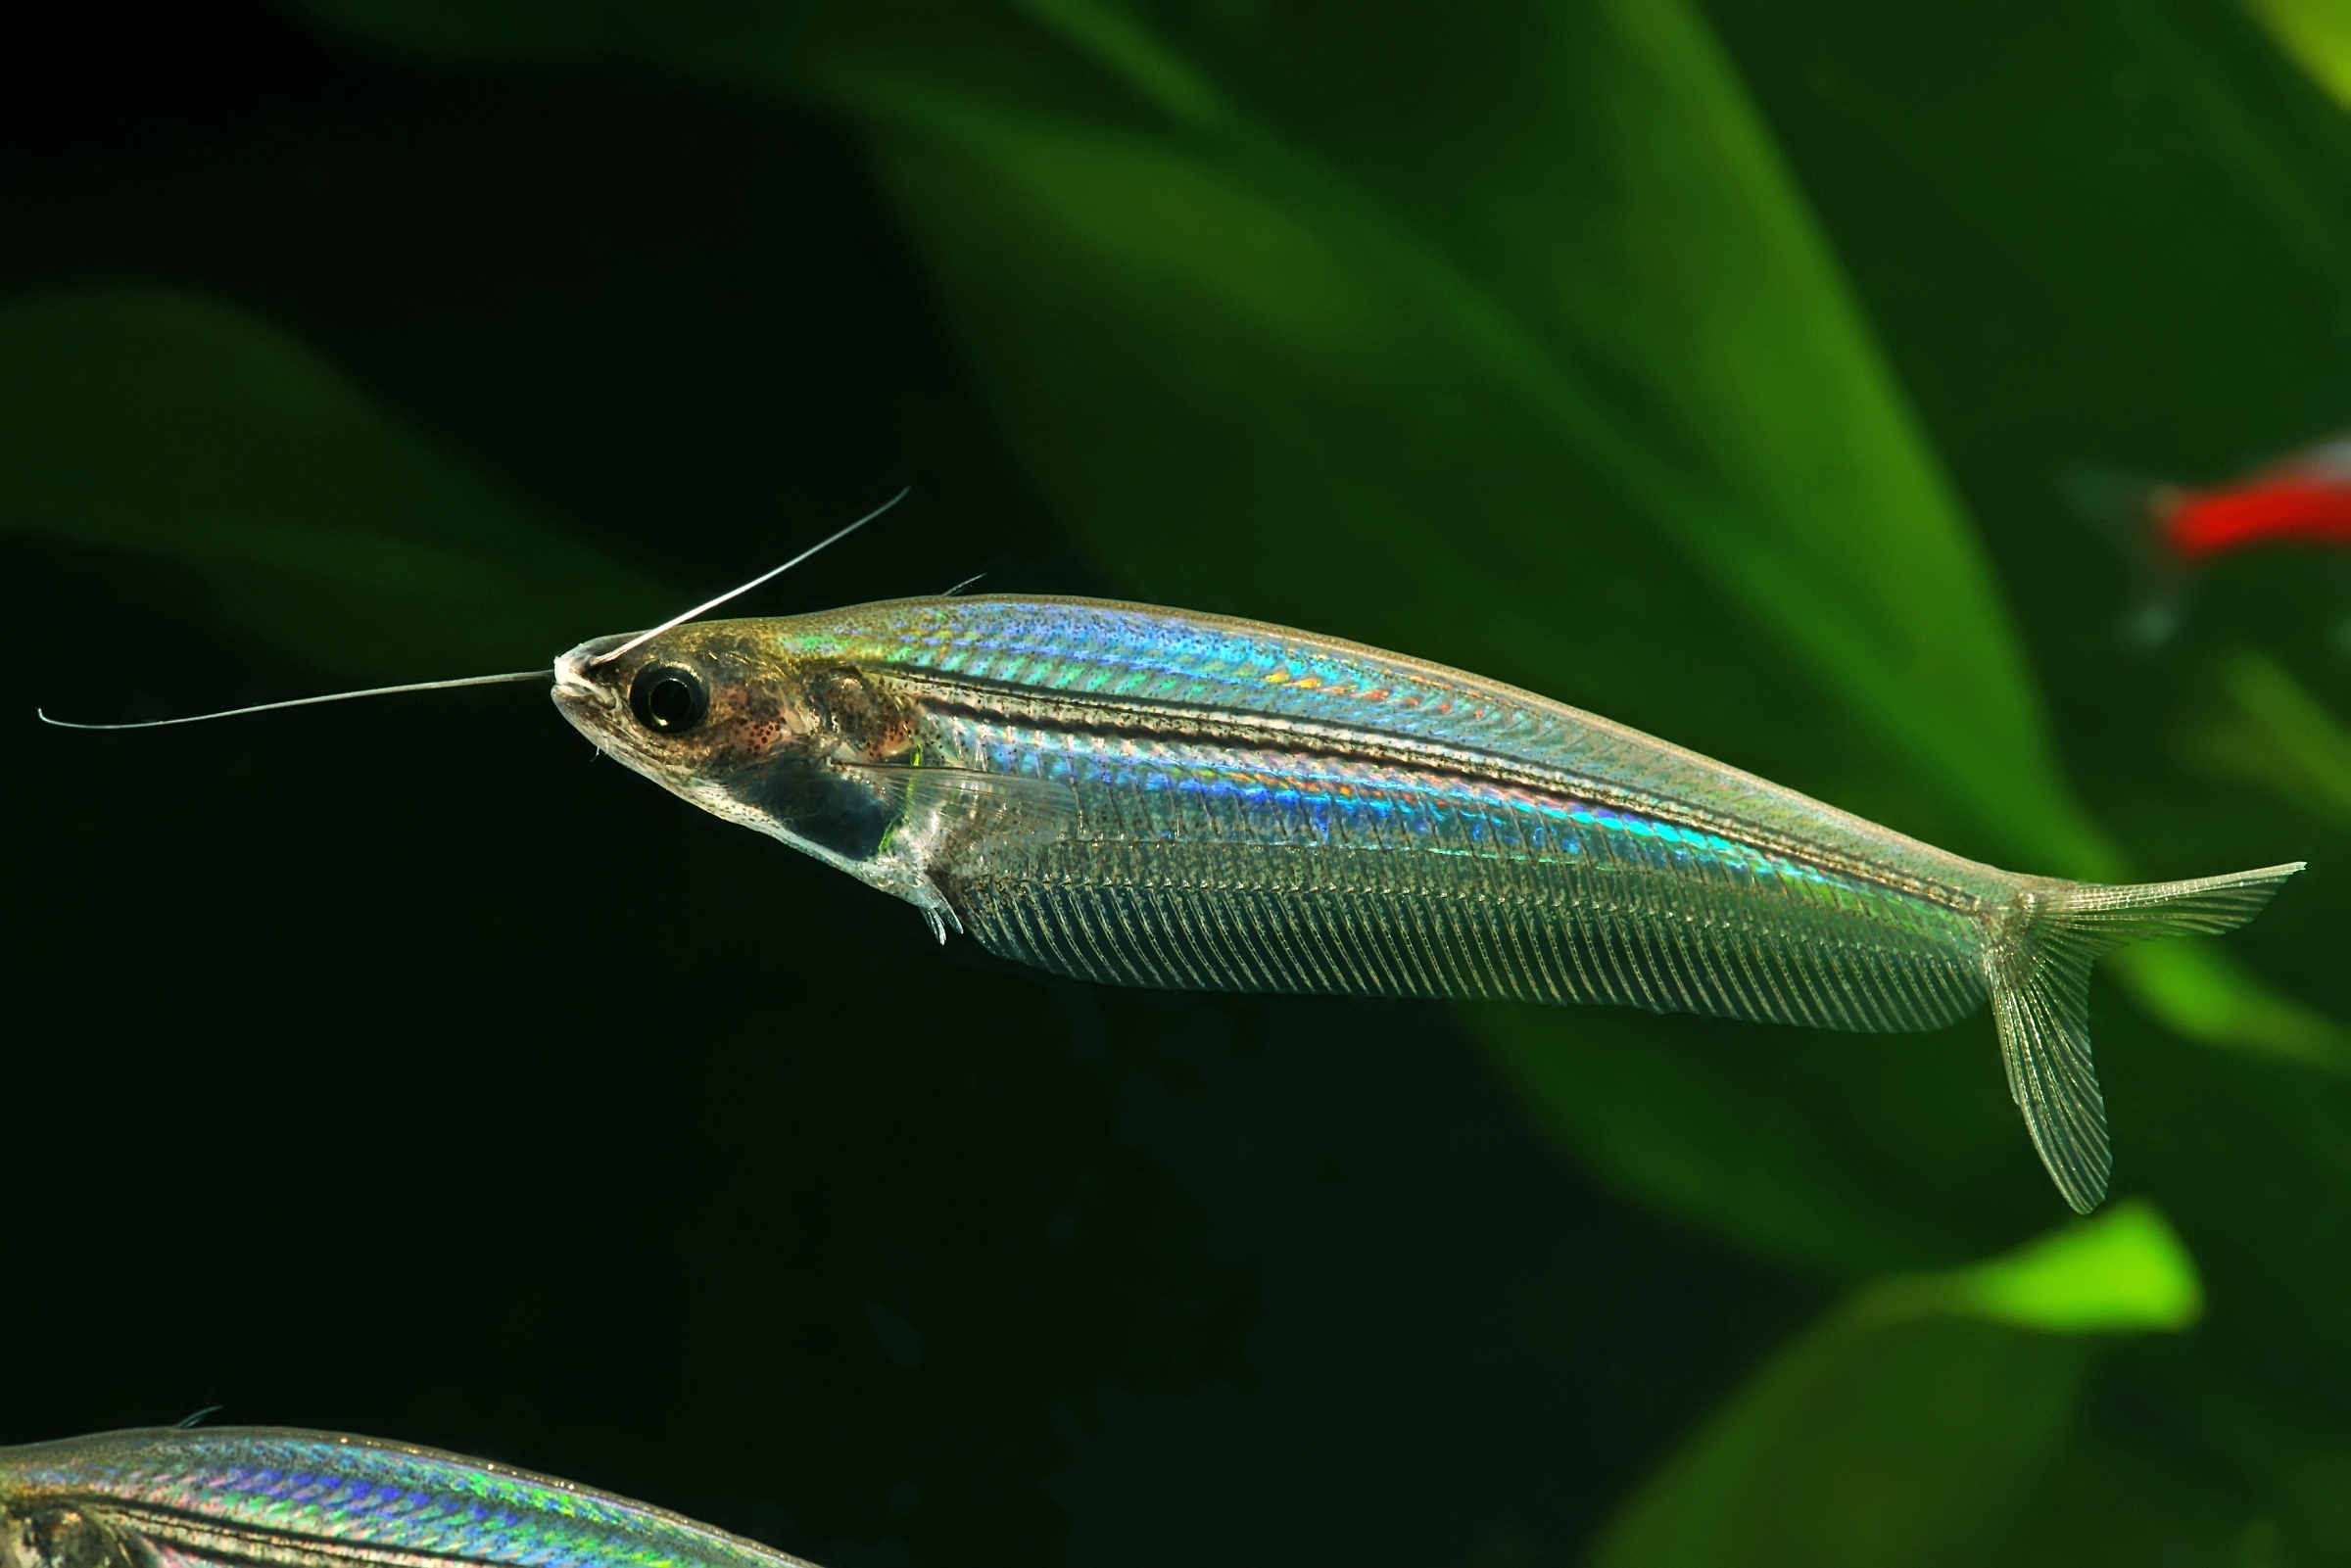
point(984, 811)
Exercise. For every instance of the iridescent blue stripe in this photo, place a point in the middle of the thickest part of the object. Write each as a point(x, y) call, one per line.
point(1088, 650)
point(294, 1488)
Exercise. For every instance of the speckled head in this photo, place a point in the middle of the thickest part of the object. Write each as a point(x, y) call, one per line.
point(35, 1535)
point(732, 716)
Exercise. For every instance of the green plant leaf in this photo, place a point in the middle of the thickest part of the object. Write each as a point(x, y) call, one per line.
point(2125, 1271)
point(2261, 727)
point(1863, 1446)
point(1911, 1425)
point(2271, 166)
point(2317, 33)
point(1822, 1151)
point(179, 428)
point(1615, 280)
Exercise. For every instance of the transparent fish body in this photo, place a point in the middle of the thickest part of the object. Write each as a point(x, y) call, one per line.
point(1144, 797)
point(255, 1498)
point(1262, 812)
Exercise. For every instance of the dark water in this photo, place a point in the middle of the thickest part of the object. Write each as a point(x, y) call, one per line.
point(402, 1070)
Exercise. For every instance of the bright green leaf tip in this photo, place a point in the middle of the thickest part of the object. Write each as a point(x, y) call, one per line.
point(2317, 33)
point(2125, 1271)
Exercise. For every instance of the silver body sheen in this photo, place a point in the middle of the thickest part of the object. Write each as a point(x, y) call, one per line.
point(1259, 809)
point(265, 1498)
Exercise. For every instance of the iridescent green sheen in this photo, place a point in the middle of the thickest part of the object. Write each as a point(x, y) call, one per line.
point(230, 1496)
point(1141, 796)
point(1264, 810)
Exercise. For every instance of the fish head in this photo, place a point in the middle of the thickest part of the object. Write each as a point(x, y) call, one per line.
point(747, 725)
point(54, 1535)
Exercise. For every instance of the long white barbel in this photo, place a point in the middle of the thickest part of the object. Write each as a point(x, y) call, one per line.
point(307, 703)
point(638, 640)
point(675, 621)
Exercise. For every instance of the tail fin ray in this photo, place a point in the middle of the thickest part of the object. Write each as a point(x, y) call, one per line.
point(2039, 975)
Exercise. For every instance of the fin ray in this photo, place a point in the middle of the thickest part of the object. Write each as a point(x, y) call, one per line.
point(2040, 979)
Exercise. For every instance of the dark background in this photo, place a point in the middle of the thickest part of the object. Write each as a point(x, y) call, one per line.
point(394, 1069)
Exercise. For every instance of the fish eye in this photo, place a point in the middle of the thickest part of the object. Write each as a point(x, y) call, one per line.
point(668, 700)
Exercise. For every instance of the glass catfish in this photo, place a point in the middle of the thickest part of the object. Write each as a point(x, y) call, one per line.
point(260, 1497)
point(1143, 796)
point(1140, 796)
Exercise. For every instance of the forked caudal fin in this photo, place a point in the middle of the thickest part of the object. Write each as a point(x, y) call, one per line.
point(2039, 975)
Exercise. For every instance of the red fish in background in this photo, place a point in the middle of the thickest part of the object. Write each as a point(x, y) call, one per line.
point(2171, 532)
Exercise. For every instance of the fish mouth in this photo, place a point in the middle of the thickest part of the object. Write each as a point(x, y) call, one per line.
point(575, 688)
point(572, 684)
point(574, 671)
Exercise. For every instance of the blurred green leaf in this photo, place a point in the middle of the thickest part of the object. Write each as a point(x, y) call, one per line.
point(1756, 1140)
point(1863, 1446)
point(2107, 1502)
point(1911, 1425)
point(2257, 724)
point(1595, 256)
point(2202, 993)
point(2317, 33)
point(2269, 162)
point(177, 427)
point(2261, 727)
point(2124, 1271)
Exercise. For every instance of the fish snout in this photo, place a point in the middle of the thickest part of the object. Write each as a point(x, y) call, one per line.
point(590, 707)
point(577, 689)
